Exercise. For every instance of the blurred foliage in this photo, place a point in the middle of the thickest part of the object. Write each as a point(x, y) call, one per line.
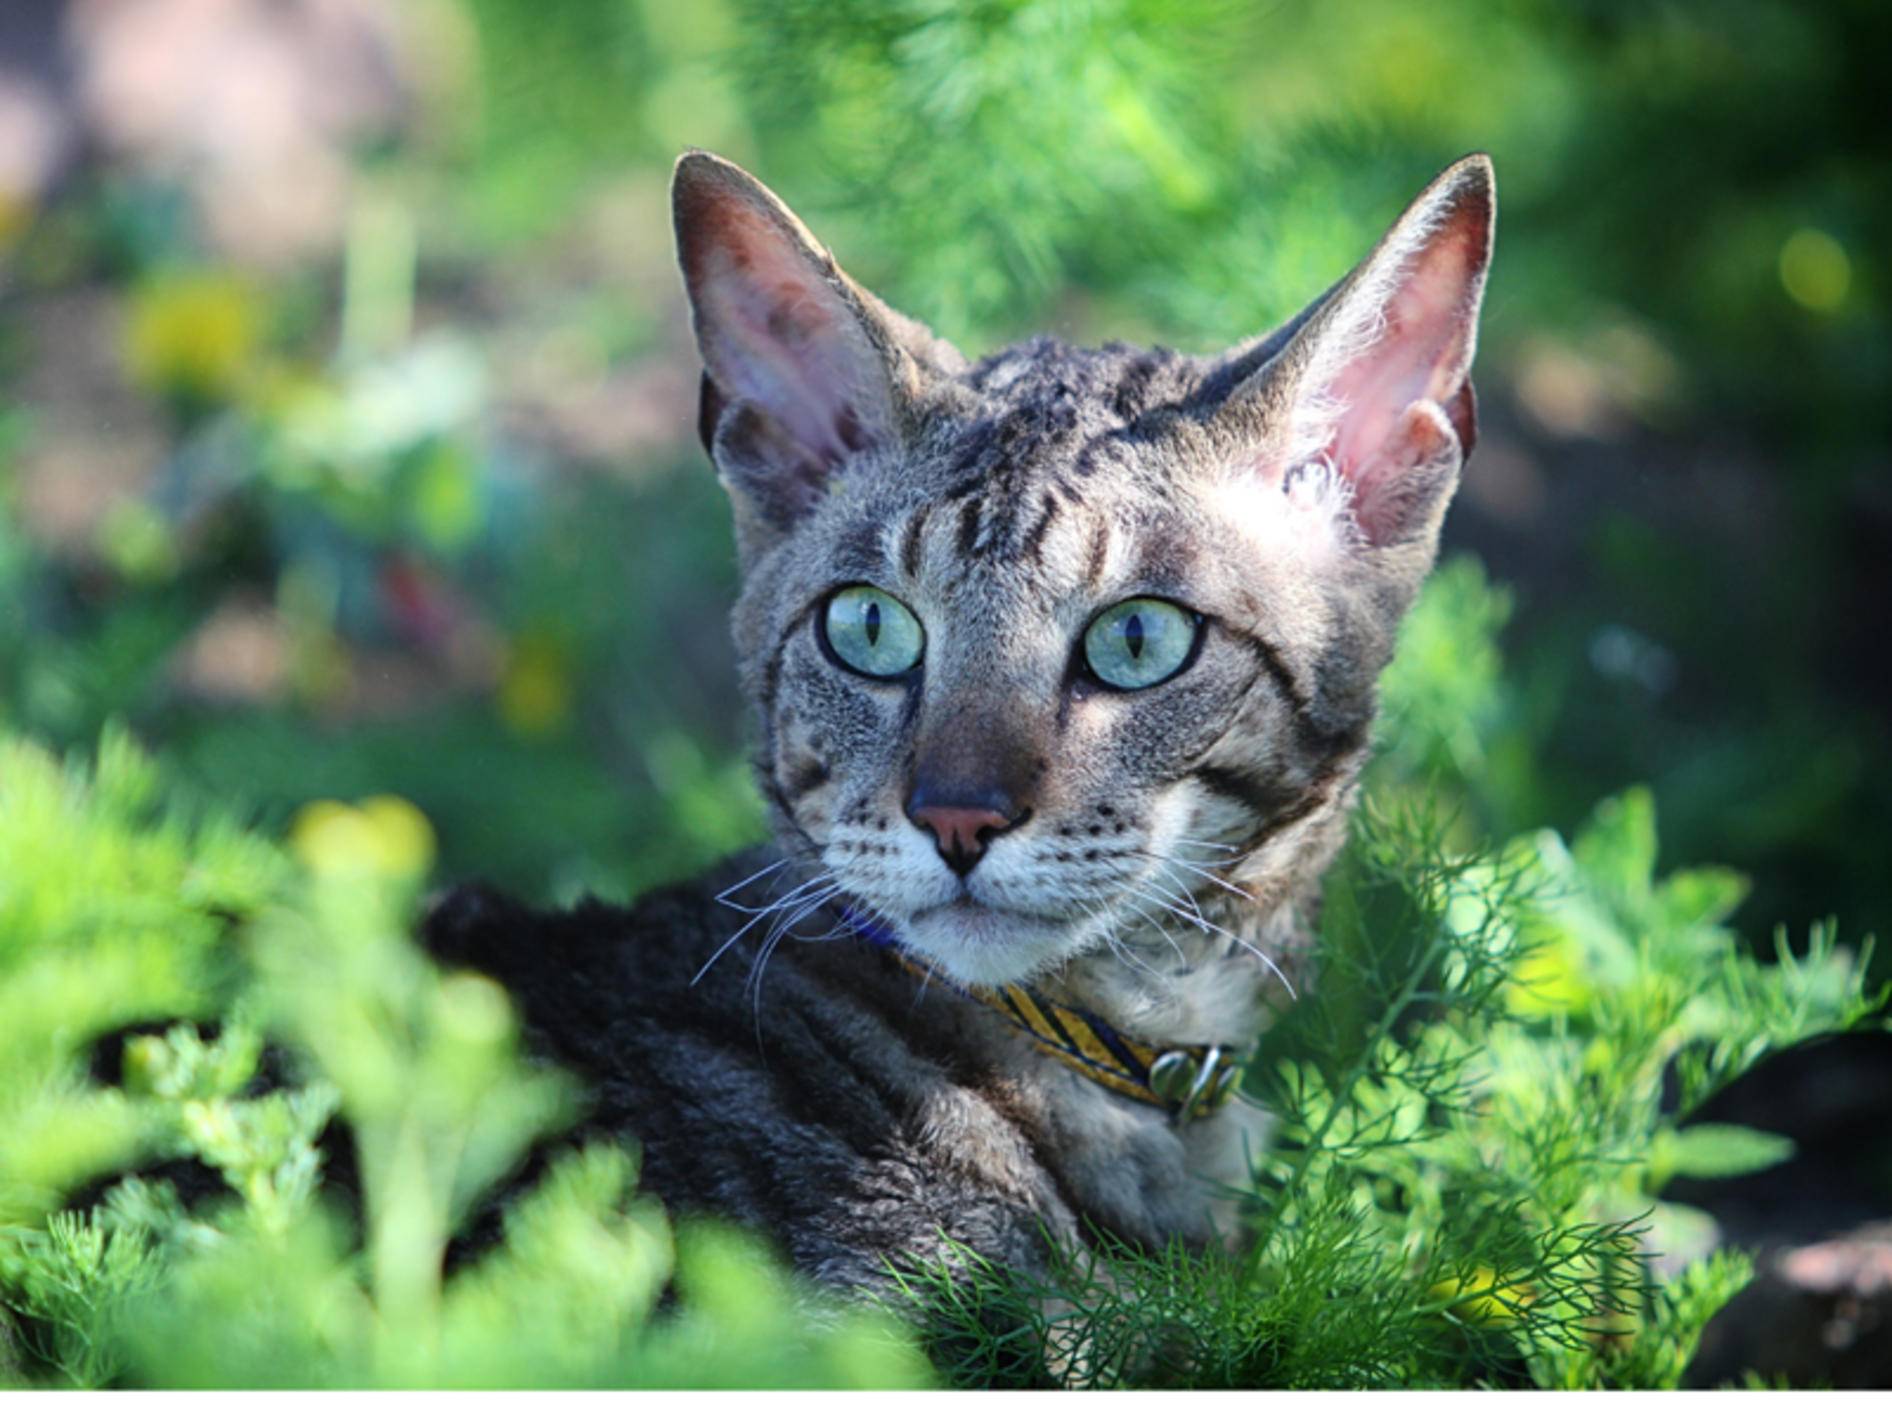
point(104, 923)
point(121, 910)
point(405, 506)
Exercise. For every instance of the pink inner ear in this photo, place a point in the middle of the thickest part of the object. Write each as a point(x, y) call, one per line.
point(775, 335)
point(1418, 353)
point(1392, 488)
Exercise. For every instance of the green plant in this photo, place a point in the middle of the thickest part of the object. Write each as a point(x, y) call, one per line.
point(1476, 1111)
point(1464, 1183)
point(117, 910)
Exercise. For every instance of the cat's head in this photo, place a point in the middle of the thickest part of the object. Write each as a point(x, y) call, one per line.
point(1040, 642)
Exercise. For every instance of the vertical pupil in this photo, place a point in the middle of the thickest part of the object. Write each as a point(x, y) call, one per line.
point(1133, 634)
point(870, 620)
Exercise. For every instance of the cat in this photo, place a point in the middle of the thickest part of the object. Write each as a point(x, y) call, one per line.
point(1063, 669)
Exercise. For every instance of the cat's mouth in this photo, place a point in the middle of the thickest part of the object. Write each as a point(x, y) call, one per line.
point(967, 908)
point(976, 943)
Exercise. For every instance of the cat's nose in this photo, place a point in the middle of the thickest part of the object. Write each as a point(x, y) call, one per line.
point(962, 830)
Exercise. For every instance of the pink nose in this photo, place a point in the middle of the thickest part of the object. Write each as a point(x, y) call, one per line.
point(959, 832)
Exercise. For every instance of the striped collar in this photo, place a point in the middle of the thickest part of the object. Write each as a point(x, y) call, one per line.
point(1185, 1080)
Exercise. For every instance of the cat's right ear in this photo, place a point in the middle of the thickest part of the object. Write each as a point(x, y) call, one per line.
point(1372, 384)
point(803, 367)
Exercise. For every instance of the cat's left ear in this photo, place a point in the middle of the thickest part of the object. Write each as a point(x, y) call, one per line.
point(803, 367)
point(1374, 381)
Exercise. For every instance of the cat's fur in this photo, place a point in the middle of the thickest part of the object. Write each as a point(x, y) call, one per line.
point(1156, 855)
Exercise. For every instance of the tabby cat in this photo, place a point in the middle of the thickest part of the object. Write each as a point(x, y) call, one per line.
point(1063, 670)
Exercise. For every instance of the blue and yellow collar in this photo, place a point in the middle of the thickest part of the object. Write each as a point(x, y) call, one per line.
point(1185, 1080)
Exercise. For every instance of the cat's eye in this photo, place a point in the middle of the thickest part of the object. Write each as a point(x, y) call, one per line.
point(1140, 642)
point(871, 632)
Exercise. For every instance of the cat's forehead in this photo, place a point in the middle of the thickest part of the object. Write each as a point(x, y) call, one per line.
point(1056, 475)
point(1082, 392)
point(1056, 432)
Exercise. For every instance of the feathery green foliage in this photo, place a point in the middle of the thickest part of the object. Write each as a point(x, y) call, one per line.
point(1471, 1140)
point(115, 911)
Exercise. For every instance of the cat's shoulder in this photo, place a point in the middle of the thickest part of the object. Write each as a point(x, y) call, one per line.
point(611, 952)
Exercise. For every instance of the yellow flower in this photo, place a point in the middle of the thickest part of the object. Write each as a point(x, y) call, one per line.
point(383, 837)
point(535, 691)
point(193, 334)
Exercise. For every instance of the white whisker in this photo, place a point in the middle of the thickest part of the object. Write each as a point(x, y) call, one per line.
point(1204, 843)
point(782, 930)
point(756, 914)
point(1198, 920)
point(1164, 932)
point(728, 893)
point(1206, 874)
point(782, 901)
point(1210, 877)
point(1128, 958)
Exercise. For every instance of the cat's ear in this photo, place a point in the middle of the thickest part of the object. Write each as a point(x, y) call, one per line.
point(1372, 385)
point(803, 368)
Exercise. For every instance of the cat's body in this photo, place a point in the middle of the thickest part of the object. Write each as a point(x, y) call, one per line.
point(856, 1113)
point(1064, 669)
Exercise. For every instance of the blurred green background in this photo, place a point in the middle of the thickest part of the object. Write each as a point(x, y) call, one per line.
point(347, 444)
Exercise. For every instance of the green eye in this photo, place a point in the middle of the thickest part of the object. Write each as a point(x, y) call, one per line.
point(1139, 642)
point(872, 632)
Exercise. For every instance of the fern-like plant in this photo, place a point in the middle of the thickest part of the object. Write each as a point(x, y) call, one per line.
point(1471, 1139)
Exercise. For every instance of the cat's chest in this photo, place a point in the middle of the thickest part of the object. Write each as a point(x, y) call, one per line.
point(991, 1106)
point(825, 1100)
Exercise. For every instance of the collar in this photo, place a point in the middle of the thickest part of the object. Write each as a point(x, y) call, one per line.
point(1184, 1080)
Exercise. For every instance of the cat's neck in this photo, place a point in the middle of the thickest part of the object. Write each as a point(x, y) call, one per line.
point(1210, 972)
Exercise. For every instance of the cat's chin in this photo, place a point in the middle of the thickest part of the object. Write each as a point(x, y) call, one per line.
point(974, 944)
